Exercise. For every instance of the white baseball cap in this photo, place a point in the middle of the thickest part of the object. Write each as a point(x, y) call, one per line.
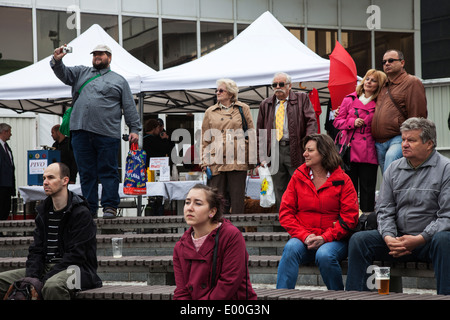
point(103, 48)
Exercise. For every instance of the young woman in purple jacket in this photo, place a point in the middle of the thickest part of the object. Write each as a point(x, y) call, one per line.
point(355, 121)
point(210, 260)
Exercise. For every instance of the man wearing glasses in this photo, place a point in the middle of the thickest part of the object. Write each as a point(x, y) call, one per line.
point(402, 97)
point(292, 115)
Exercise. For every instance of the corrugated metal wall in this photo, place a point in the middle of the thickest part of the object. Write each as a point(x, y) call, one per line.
point(438, 101)
point(24, 138)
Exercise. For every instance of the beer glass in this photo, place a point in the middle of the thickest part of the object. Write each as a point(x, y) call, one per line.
point(382, 277)
point(117, 247)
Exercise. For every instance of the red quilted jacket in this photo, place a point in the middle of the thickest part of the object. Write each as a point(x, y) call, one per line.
point(305, 210)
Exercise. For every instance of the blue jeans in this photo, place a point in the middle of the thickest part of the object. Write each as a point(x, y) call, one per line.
point(388, 151)
point(327, 258)
point(368, 246)
point(97, 160)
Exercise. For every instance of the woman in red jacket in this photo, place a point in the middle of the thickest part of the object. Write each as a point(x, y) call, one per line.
point(193, 255)
point(319, 198)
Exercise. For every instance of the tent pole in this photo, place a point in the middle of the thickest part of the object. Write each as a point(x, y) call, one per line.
point(141, 116)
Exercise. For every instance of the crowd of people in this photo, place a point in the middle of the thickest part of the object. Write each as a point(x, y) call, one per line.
point(319, 202)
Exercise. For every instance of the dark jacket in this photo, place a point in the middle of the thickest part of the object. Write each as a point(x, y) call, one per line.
point(193, 270)
point(301, 122)
point(7, 178)
point(77, 242)
point(67, 157)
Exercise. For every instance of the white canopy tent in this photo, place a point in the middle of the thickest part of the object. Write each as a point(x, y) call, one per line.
point(36, 88)
point(251, 59)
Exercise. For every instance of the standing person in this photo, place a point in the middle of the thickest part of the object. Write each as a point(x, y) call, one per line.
point(355, 121)
point(7, 177)
point(298, 119)
point(62, 143)
point(319, 201)
point(402, 97)
point(65, 236)
point(413, 210)
point(225, 150)
point(95, 124)
point(198, 276)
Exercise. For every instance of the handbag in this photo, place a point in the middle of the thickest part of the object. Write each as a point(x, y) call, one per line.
point(65, 124)
point(135, 172)
point(344, 148)
point(267, 193)
point(366, 221)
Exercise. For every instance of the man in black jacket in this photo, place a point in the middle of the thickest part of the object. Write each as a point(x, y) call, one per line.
point(63, 255)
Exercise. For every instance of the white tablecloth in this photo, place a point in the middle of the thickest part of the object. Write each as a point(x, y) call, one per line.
point(169, 190)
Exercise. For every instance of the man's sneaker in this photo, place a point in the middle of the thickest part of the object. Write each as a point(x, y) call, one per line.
point(109, 213)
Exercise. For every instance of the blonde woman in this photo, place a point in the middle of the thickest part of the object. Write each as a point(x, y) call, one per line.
point(225, 148)
point(355, 120)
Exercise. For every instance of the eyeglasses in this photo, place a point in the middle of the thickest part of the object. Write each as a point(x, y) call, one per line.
point(279, 84)
point(220, 91)
point(390, 60)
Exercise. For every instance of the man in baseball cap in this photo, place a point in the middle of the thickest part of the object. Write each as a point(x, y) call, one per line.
point(101, 58)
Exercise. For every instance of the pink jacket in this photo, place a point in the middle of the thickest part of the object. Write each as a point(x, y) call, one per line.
point(193, 269)
point(363, 144)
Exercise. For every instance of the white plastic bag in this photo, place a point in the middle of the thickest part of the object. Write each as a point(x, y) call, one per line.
point(267, 194)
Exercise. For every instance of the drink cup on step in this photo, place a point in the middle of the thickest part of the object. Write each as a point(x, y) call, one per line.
point(382, 277)
point(117, 247)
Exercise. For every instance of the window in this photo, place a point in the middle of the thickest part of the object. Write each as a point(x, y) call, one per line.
point(179, 42)
point(108, 22)
point(16, 54)
point(52, 31)
point(322, 41)
point(214, 35)
point(140, 38)
point(357, 44)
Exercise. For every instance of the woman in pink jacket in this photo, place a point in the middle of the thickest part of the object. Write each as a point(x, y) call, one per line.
point(355, 120)
point(210, 260)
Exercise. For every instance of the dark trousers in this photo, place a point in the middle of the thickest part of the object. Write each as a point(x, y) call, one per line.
point(364, 178)
point(97, 159)
point(5, 202)
point(232, 183)
point(285, 171)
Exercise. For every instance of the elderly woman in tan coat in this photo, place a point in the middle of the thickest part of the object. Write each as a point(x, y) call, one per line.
point(227, 132)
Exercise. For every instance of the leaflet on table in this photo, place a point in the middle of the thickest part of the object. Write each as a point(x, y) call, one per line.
point(161, 164)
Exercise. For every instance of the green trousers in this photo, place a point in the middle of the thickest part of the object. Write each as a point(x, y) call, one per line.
point(55, 288)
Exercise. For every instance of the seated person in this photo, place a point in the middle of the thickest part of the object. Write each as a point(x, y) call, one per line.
point(198, 276)
point(319, 198)
point(65, 235)
point(413, 210)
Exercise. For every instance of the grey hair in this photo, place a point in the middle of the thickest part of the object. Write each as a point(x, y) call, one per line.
point(427, 126)
point(4, 127)
point(232, 87)
point(288, 77)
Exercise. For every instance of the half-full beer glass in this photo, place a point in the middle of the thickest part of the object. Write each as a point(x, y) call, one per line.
point(382, 277)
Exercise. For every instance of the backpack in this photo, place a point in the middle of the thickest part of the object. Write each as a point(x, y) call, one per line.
point(25, 289)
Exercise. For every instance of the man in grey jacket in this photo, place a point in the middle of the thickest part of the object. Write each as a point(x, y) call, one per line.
point(100, 96)
point(413, 211)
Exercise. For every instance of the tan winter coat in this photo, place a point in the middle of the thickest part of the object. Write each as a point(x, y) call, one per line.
point(222, 129)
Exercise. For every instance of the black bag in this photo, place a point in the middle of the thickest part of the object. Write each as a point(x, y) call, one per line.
point(366, 221)
point(344, 150)
point(25, 289)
